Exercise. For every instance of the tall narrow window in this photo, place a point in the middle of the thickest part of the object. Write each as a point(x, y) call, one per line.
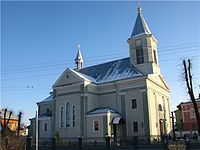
point(96, 125)
point(192, 113)
point(139, 55)
point(73, 115)
point(61, 116)
point(155, 57)
point(67, 114)
point(45, 127)
point(135, 126)
point(134, 103)
point(160, 107)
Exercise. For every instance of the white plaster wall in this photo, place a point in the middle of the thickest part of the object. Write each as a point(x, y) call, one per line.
point(90, 131)
point(74, 99)
point(134, 115)
point(42, 133)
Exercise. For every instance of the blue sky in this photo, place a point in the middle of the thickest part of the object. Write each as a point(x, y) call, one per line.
point(39, 40)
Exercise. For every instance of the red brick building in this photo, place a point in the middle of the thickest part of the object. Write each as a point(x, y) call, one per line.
point(188, 121)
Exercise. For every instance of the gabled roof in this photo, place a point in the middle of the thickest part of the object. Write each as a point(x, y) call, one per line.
point(83, 76)
point(140, 26)
point(110, 71)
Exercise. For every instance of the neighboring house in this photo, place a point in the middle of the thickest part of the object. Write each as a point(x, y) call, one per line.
point(45, 119)
point(186, 115)
point(13, 122)
point(179, 119)
point(123, 98)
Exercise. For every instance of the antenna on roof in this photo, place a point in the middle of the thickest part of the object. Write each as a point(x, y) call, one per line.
point(139, 8)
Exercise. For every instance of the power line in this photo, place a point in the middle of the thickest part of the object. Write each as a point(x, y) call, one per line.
point(44, 75)
point(171, 46)
point(67, 64)
point(53, 67)
point(87, 58)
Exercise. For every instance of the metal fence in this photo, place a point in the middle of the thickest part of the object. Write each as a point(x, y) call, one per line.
point(109, 143)
point(189, 126)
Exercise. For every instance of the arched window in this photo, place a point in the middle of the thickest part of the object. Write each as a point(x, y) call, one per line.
point(61, 116)
point(73, 115)
point(67, 114)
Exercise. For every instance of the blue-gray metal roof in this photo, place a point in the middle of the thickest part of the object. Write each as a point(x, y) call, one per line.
point(101, 110)
point(111, 71)
point(48, 99)
point(140, 26)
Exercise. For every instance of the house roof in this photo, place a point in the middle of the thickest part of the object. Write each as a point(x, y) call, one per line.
point(183, 103)
point(110, 71)
point(48, 99)
point(140, 26)
point(101, 110)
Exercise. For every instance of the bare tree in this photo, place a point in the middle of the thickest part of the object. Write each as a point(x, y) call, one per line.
point(19, 123)
point(10, 139)
point(6, 119)
point(188, 79)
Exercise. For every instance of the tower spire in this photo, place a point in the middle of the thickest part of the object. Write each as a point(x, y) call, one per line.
point(140, 26)
point(79, 59)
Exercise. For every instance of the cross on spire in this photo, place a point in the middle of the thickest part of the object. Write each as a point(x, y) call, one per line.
point(139, 8)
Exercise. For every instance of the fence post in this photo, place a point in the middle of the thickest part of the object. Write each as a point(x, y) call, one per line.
point(28, 143)
point(187, 141)
point(108, 147)
point(54, 143)
point(165, 140)
point(135, 142)
point(80, 141)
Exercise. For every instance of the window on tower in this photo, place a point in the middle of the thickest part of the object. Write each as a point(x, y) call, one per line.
point(155, 58)
point(139, 55)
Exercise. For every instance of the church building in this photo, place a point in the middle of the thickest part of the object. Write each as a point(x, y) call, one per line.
point(121, 98)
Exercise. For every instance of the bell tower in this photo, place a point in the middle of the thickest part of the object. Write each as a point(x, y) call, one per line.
point(143, 47)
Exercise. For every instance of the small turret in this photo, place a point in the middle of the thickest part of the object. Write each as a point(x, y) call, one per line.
point(79, 59)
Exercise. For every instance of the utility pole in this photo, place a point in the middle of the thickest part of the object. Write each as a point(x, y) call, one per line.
point(173, 127)
point(36, 130)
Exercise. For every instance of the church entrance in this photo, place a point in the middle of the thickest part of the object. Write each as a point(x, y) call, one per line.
point(119, 129)
point(161, 126)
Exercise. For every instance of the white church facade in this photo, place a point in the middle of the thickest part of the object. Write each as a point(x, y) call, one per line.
point(121, 98)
